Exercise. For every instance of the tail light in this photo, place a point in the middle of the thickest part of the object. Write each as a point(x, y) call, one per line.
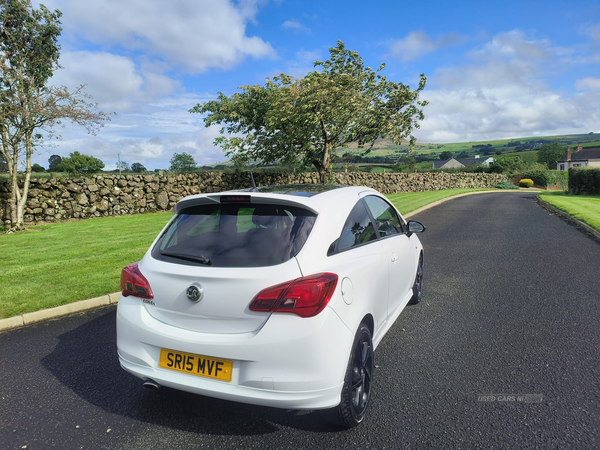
point(306, 296)
point(134, 283)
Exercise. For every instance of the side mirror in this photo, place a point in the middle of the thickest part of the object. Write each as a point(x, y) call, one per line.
point(414, 226)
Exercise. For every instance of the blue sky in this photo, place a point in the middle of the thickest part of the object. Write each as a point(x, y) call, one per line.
point(494, 69)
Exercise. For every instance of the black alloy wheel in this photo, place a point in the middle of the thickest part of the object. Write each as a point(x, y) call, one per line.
point(356, 392)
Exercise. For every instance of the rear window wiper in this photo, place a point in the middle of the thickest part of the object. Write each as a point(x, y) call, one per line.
point(199, 258)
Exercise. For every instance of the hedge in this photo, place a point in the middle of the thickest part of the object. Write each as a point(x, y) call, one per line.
point(584, 181)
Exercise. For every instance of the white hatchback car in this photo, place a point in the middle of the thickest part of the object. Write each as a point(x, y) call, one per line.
point(275, 296)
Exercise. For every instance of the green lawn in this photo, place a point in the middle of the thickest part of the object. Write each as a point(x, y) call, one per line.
point(584, 207)
point(56, 264)
point(410, 201)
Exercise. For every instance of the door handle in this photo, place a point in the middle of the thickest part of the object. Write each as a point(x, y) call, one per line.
point(394, 257)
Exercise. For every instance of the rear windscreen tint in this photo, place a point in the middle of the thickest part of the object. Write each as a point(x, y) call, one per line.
point(235, 235)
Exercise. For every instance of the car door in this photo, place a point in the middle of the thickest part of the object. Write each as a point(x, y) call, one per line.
point(401, 253)
point(359, 258)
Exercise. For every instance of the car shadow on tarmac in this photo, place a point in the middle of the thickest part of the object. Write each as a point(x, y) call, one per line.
point(85, 361)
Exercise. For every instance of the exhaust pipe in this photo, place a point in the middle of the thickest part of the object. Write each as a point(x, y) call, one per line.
point(151, 385)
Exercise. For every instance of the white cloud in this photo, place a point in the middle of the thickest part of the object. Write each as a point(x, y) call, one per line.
point(194, 36)
point(418, 44)
point(154, 152)
point(296, 26)
point(592, 84)
point(112, 80)
point(593, 32)
point(504, 94)
point(514, 44)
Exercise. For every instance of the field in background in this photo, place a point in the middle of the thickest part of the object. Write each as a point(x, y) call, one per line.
point(526, 156)
point(425, 154)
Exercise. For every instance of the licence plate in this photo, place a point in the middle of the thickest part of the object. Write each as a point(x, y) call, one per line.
point(202, 366)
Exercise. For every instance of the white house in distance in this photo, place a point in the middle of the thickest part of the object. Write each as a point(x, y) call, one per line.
point(453, 163)
point(581, 157)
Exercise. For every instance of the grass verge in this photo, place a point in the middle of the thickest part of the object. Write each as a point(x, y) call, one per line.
point(583, 207)
point(52, 265)
point(56, 264)
point(410, 201)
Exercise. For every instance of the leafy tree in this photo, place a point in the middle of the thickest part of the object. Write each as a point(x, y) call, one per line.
point(548, 154)
point(507, 164)
point(182, 162)
point(3, 164)
point(123, 166)
point(445, 155)
point(410, 162)
point(55, 162)
point(137, 167)
point(29, 54)
point(37, 168)
point(305, 120)
point(79, 164)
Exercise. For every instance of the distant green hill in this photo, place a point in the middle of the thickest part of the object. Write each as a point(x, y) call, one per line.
point(525, 148)
point(384, 147)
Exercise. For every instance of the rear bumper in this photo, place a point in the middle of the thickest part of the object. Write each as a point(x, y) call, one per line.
point(290, 362)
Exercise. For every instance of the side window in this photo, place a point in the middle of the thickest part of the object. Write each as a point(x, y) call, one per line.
point(357, 230)
point(386, 219)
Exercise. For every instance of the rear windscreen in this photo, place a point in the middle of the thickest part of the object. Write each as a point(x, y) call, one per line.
point(235, 235)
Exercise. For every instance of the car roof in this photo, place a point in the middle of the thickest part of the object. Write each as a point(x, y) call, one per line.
point(315, 197)
point(300, 190)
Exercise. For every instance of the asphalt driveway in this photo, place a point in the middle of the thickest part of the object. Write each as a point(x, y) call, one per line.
point(503, 352)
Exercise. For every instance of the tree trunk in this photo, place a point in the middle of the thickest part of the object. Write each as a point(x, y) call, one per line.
point(14, 194)
point(325, 170)
point(23, 197)
point(18, 199)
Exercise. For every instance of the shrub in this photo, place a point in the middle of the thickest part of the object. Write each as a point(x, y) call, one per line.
point(543, 177)
point(584, 181)
point(505, 185)
point(526, 182)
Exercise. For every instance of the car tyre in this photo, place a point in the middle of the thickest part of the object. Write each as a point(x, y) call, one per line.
point(418, 285)
point(356, 392)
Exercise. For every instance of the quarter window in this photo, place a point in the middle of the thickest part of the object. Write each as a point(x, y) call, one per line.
point(357, 230)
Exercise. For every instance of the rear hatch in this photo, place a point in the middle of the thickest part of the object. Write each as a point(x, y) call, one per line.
point(218, 253)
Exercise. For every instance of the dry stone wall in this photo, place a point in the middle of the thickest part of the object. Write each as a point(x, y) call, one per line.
point(110, 195)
